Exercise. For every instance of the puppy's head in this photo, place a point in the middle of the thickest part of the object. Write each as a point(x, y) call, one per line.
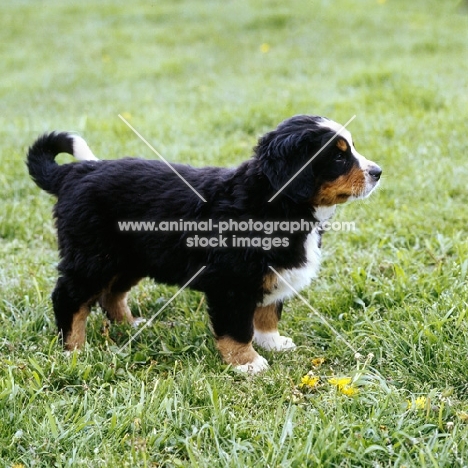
point(313, 160)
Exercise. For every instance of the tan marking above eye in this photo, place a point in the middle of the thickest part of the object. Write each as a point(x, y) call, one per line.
point(342, 145)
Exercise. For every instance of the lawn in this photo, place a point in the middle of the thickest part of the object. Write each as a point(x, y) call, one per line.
point(202, 80)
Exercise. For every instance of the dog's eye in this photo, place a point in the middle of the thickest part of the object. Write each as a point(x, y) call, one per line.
point(339, 157)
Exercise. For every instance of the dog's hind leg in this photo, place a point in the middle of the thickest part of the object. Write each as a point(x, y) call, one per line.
point(114, 300)
point(72, 301)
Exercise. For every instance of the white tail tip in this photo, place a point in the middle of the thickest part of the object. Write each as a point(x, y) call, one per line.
point(81, 150)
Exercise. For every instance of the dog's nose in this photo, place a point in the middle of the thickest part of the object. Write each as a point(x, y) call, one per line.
point(375, 172)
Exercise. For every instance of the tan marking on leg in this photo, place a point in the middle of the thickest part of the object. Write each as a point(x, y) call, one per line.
point(115, 305)
point(115, 302)
point(77, 335)
point(236, 353)
point(270, 282)
point(266, 318)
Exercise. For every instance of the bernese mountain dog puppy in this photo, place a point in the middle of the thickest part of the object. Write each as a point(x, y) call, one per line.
point(299, 172)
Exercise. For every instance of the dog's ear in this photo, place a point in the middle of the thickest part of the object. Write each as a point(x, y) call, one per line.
point(282, 154)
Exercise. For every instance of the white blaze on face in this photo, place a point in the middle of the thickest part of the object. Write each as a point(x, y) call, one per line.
point(365, 164)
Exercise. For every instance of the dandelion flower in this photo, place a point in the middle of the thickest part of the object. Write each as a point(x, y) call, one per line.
point(418, 404)
point(317, 362)
point(265, 48)
point(349, 390)
point(309, 381)
point(340, 381)
point(343, 384)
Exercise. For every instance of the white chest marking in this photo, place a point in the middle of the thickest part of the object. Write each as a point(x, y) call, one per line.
point(300, 277)
point(324, 213)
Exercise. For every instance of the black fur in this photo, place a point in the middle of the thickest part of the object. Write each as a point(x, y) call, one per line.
point(93, 196)
point(41, 160)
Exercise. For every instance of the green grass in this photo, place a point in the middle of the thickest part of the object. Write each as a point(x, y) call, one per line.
point(201, 80)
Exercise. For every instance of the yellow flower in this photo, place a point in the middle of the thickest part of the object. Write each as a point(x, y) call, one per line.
point(309, 381)
point(419, 404)
point(265, 48)
point(340, 381)
point(317, 362)
point(349, 390)
point(343, 384)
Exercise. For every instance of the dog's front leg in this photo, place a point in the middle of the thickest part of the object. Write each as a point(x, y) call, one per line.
point(232, 324)
point(266, 334)
point(241, 355)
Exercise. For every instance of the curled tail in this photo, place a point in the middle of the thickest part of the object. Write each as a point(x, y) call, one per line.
point(41, 158)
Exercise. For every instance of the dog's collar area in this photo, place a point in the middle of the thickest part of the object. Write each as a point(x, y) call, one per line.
point(324, 213)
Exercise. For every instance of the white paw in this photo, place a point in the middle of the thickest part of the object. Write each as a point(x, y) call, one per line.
point(257, 365)
point(273, 341)
point(138, 321)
